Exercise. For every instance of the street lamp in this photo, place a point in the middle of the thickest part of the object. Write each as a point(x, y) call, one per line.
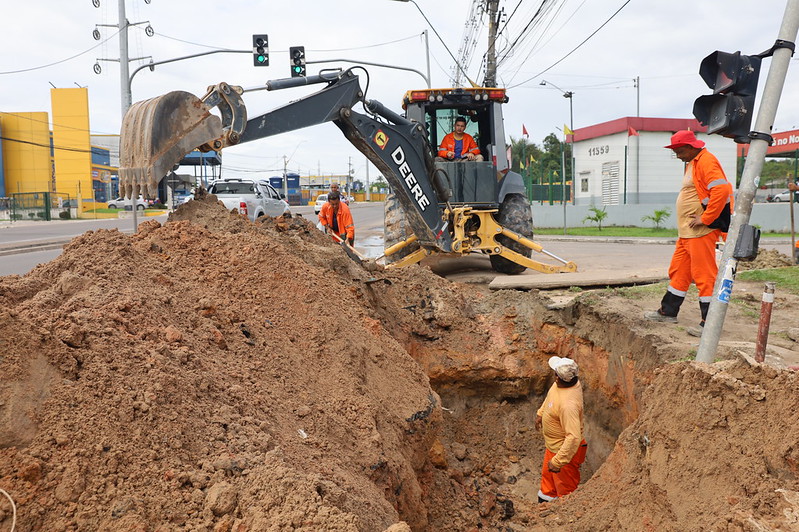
point(566, 94)
point(570, 96)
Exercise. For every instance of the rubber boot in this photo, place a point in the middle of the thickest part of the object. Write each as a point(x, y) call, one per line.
point(670, 304)
point(704, 307)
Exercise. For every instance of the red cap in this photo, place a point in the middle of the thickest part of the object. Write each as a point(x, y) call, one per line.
point(685, 138)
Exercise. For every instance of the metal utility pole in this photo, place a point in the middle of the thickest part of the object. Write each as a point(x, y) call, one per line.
point(368, 192)
point(285, 178)
point(746, 193)
point(491, 54)
point(349, 174)
point(427, 54)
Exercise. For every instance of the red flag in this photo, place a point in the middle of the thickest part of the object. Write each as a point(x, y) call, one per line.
point(524, 131)
point(631, 132)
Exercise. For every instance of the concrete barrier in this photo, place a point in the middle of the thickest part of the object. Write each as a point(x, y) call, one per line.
point(774, 217)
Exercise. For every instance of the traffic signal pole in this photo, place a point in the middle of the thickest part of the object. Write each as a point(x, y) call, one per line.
point(746, 193)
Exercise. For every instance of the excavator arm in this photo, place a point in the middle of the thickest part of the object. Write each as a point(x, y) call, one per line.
point(156, 134)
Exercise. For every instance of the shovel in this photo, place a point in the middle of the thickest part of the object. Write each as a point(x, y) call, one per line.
point(349, 250)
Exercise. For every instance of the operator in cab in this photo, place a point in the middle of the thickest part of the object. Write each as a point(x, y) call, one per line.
point(459, 145)
point(336, 218)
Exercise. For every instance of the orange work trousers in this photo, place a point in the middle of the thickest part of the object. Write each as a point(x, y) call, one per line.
point(564, 481)
point(694, 259)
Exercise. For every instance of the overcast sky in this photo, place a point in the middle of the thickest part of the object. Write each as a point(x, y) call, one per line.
point(660, 41)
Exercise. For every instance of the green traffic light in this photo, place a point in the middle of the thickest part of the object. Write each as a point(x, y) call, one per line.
point(261, 58)
point(298, 69)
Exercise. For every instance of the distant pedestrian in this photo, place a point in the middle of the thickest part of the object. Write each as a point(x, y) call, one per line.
point(704, 207)
point(334, 187)
point(560, 419)
point(336, 218)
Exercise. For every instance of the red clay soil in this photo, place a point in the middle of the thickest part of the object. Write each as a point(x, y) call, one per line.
point(214, 374)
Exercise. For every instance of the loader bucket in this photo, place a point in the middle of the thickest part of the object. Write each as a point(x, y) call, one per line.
point(156, 134)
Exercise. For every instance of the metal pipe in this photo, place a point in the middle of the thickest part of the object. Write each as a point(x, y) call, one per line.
point(765, 320)
point(357, 62)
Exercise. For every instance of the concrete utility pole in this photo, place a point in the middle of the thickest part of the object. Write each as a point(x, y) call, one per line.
point(746, 193)
point(124, 87)
point(491, 54)
point(124, 66)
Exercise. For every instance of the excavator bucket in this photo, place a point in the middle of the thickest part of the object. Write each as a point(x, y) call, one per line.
point(156, 134)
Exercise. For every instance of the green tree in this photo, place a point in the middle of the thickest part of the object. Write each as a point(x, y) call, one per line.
point(597, 216)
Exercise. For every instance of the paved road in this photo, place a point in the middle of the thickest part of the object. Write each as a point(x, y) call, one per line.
point(640, 256)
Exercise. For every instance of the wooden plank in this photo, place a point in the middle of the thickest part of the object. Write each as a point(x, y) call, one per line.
point(568, 280)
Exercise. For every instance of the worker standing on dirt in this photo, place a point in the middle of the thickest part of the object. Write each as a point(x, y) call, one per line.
point(560, 419)
point(459, 145)
point(704, 206)
point(336, 218)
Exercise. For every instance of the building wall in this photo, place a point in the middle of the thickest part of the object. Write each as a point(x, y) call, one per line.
point(72, 142)
point(27, 164)
point(618, 169)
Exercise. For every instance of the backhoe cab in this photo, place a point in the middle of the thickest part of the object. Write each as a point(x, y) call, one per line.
point(434, 207)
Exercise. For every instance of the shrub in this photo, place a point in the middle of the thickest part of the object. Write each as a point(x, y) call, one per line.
point(658, 217)
point(597, 216)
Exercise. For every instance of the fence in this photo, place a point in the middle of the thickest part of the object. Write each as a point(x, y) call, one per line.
point(40, 206)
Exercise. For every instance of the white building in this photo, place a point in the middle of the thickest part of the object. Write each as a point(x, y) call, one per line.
point(615, 166)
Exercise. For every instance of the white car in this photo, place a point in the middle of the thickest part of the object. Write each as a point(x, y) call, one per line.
point(785, 196)
point(251, 198)
point(321, 199)
point(127, 203)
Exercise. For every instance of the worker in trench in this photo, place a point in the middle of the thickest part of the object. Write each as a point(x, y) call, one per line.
point(560, 419)
point(336, 218)
point(704, 208)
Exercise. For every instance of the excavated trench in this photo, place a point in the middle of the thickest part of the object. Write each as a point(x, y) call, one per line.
point(488, 441)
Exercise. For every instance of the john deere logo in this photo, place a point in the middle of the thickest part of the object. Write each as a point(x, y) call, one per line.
point(381, 139)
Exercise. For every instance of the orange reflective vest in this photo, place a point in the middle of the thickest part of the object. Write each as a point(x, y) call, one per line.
point(713, 189)
point(346, 227)
point(448, 144)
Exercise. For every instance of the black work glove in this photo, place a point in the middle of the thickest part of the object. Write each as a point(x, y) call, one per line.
point(351, 241)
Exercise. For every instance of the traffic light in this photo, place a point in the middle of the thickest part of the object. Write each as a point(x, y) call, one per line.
point(297, 59)
point(733, 78)
point(260, 50)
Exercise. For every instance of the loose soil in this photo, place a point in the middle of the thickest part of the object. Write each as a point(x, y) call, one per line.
point(212, 374)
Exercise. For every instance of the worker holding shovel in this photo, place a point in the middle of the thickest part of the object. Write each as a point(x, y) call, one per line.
point(336, 218)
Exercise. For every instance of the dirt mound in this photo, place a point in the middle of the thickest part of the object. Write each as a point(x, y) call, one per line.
point(766, 258)
point(714, 449)
point(215, 374)
point(204, 375)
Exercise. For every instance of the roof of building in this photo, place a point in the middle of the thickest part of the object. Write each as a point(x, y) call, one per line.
point(639, 124)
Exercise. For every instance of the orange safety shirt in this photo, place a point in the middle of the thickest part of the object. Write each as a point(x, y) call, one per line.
point(711, 184)
point(344, 219)
point(562, 420)
point(448, 144)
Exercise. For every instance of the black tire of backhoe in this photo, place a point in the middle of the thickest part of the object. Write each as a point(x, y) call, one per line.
point(396, 229)
point(514, 214)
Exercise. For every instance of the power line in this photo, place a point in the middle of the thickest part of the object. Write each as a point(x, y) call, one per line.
point(56, 125)
point(48, 146)
point(314, 50)
point(63, 60)
point(575, 48)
